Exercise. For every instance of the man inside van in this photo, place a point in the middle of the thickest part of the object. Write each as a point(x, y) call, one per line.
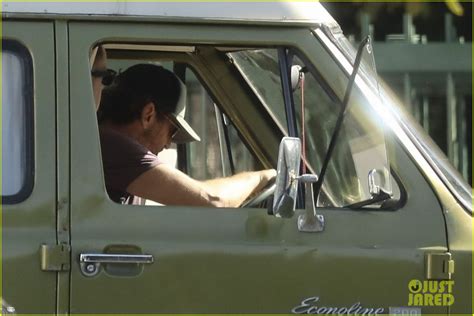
point(139, 116)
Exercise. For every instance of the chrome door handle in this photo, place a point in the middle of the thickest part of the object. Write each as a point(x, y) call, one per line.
point(91, 262)
point(115, 258)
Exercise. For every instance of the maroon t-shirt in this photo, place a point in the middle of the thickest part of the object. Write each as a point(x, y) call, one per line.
point(124, 160)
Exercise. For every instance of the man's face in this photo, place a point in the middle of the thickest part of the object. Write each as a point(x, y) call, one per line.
point(159, 134)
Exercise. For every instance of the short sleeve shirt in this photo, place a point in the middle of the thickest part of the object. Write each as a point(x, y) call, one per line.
point(124, 160)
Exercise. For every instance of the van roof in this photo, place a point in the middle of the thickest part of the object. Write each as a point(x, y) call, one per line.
point(308, 12)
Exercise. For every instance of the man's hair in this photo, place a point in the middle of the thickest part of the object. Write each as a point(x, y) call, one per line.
point(124, 100)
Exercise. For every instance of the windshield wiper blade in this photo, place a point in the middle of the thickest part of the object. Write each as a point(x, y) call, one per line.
point(340, 119)
point(377, 198)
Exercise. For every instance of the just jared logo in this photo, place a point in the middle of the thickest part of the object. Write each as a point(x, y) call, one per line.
point(430, 293)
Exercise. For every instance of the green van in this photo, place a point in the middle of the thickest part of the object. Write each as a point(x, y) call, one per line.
point(368, 216)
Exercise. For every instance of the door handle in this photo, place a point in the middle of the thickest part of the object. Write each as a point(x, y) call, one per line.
point(115, 258)
point(91, 262)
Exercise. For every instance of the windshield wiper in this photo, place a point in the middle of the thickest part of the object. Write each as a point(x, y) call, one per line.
point(377, 192)
point(340, 119)
point(376, 198)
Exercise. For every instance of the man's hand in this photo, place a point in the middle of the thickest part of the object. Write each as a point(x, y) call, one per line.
point(267, 175)
point(166, 185)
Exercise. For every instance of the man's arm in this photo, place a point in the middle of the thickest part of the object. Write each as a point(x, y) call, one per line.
point(166, 185)
point(237, 188)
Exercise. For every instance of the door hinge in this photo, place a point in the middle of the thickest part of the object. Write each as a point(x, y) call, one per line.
point(439, 266)
point(55, 257)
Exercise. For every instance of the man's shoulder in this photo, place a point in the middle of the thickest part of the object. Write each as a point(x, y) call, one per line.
point(116, 143)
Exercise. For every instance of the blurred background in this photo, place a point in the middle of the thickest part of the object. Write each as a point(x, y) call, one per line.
point(424, 52)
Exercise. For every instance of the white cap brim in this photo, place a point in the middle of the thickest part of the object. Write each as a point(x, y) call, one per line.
point(186, 134)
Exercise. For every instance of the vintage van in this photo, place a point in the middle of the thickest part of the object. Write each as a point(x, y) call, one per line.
point(383, 223)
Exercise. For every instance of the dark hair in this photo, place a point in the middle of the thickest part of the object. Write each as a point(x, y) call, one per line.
point(124, 100)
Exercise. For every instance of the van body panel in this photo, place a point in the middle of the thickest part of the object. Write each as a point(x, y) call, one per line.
point(460, 237)
point(281, 12)
point(205, 260)
point(28, 224)
point(214, 261)
point(63, 155)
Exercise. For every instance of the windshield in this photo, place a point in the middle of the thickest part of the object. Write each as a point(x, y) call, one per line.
point(431, 152)
point(360, 147)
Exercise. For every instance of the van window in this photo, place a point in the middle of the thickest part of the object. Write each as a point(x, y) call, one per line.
point(361, 137)
point(17, 123)
point(221, 152)
point(261, 70)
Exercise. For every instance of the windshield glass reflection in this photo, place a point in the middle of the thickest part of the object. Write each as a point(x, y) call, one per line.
point(431, 152)
point(360, 147)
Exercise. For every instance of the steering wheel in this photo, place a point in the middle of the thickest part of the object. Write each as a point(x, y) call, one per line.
point(261, 196)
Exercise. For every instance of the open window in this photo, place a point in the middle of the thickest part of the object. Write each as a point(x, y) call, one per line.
point(226, 134)
point(359, 155)
point(222, 151)
point(237, 104)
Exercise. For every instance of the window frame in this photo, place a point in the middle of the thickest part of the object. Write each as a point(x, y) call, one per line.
point(397, 202)
point(189, 66)
point(24, 56)
point(183, 64)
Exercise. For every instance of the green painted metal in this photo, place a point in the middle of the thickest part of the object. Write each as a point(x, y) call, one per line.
point(207, 260)
point(55, 257)
point(63, 156)
point(31, 223)
point(214, 261)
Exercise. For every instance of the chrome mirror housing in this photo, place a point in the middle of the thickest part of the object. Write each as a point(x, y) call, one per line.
point(296, 76)
point(289, 157)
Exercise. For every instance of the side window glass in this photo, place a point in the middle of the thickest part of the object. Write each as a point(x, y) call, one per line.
point(17, 122)
point(360, 146)
point(321, 111)
point(221, 152)
point(261, 70)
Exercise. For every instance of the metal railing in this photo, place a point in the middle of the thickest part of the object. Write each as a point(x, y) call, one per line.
point(434, 80)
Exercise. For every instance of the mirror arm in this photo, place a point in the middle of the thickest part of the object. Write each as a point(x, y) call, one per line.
point(310, 222)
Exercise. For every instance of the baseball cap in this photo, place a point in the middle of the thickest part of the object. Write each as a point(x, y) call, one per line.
point(185, 133)
point(161, 86)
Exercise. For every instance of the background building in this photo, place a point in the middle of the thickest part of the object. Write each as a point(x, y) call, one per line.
point(424, 52)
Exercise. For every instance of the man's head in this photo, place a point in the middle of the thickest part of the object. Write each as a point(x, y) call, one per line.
point(151, 101)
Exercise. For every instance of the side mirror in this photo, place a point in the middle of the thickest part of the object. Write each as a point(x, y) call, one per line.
point(289, 156)
point(296, 76)
point(284, 199)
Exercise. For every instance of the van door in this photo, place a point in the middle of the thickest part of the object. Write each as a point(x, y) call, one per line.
point(28, 165)
point(204, 259)
point(209, 260)
point(368, 254)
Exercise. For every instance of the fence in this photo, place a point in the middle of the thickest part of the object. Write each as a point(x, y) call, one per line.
point(434, 79)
